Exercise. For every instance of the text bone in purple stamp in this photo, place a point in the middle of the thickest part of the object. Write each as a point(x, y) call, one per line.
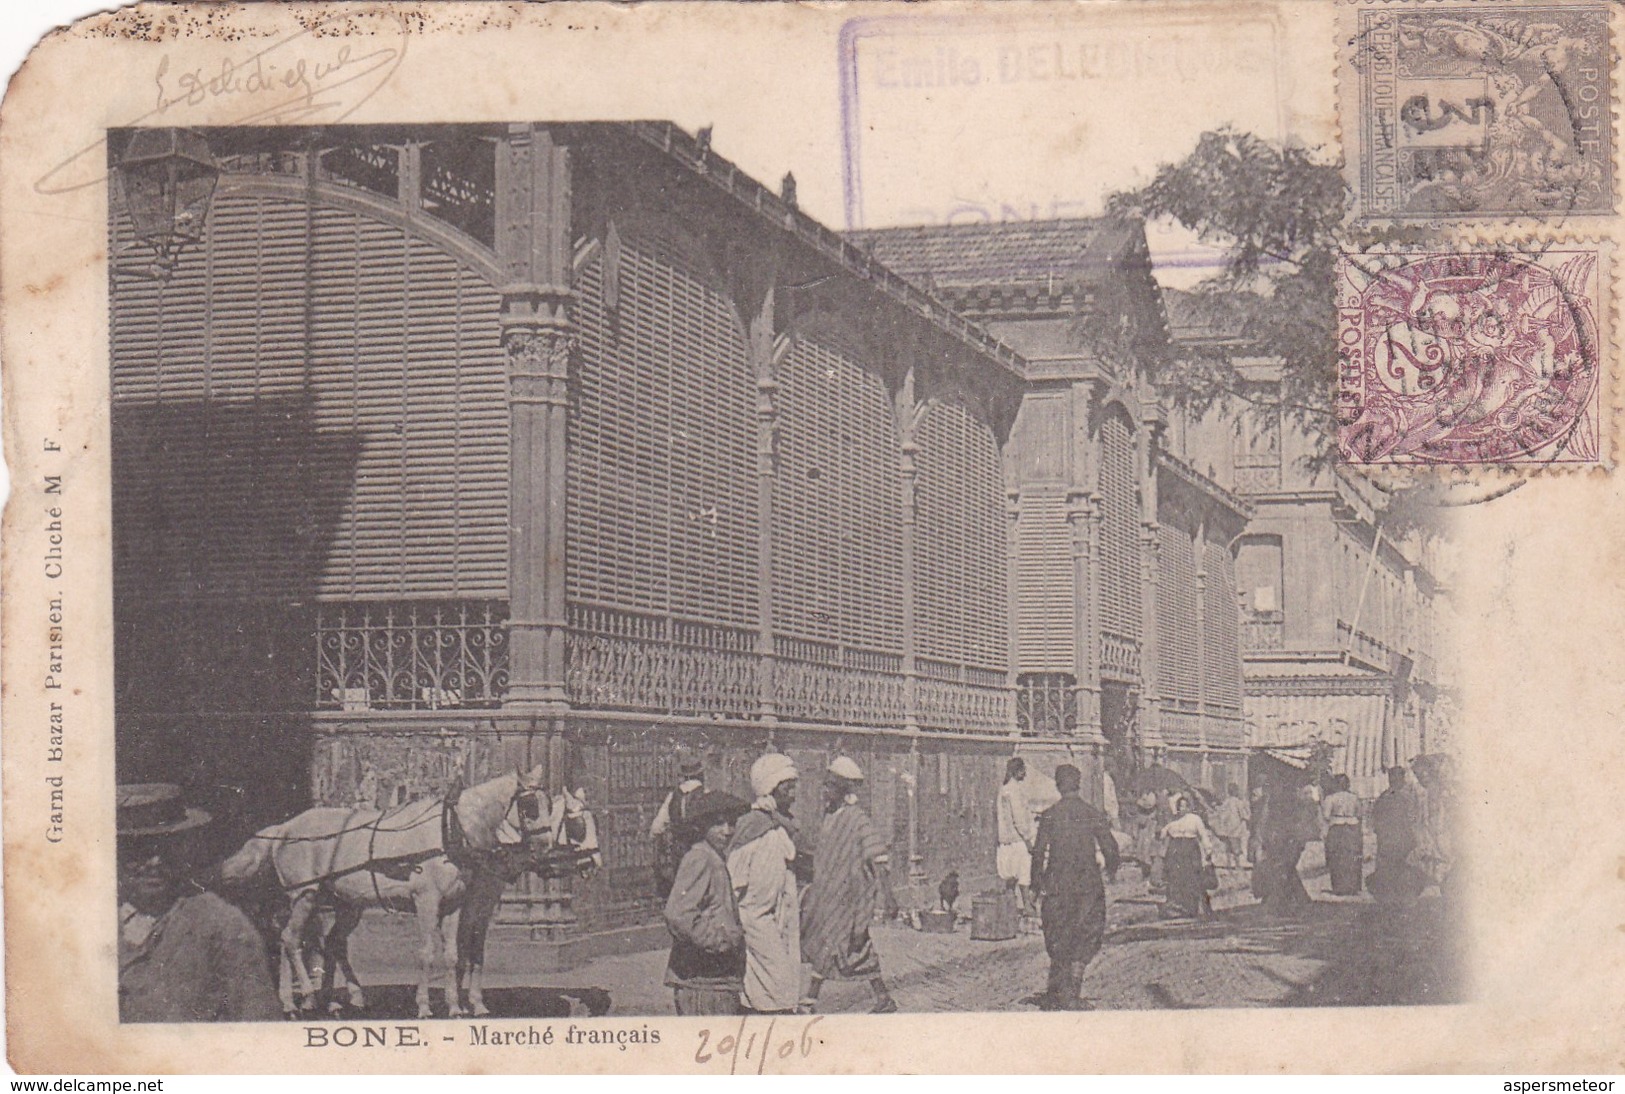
point(1487, 111)
point(1469, 359)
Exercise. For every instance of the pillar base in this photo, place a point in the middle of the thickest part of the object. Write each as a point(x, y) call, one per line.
point(536, 699)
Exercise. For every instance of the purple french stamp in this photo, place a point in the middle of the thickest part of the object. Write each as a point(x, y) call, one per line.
point(1488, 110)
point(1470, 358)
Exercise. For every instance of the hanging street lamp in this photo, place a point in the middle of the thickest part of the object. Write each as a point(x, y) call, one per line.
point(167, 178)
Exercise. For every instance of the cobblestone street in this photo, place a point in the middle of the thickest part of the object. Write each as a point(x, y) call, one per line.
point(1340, 951)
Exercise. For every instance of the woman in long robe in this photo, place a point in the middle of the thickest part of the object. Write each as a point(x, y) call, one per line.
point(1345, 842)
point(1190, 848)
point(1397, 820)
point(1293, 820)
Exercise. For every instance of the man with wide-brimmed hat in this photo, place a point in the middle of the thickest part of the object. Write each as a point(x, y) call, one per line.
point(668, 850)
point(850, 880)
point(185, 955)
point(760, 866)
point(707, 965)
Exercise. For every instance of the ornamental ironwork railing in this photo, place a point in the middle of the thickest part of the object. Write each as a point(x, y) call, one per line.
point(1047, 704)
point(824, 682)
point(1119, 656)
point(963, 698)
point(1363, 645)
point(417, 655)
point(1180, 725)
point(623, 660)
point(618, 659)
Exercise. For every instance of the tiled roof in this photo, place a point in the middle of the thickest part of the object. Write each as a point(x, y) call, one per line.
point(1076, 251)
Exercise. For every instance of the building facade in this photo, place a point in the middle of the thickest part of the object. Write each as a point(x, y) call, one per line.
point(445, 450)
point(441, 450)
point(1345, 613)
point(1123, 585)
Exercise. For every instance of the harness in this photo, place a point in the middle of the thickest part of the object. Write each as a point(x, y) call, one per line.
point(453, 845)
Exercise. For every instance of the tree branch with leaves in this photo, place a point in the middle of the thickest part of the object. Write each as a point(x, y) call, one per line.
point(1274, 211)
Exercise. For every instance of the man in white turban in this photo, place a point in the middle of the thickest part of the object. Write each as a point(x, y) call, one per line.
point(759, 865)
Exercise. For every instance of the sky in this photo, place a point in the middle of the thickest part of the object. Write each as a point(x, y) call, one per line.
point(931, 118)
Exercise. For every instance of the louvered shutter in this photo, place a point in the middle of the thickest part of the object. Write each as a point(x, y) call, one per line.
point(1045, 588)
point(313, 405)
point(662, 499)
point(1179, 629)
point(962, 546)
point(1120, 606)
point(1222, 659)
point(1349, 573)
point(838, 536)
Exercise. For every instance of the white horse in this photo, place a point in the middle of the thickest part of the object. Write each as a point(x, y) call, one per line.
point(434, 857)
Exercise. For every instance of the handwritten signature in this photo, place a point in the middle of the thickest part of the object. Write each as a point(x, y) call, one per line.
point(290, 81)
point(300, 82)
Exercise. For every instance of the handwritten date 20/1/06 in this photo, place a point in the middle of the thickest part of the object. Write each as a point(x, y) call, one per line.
point(780, 1041)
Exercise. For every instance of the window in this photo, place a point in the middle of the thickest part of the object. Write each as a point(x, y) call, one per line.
point(1259, 590)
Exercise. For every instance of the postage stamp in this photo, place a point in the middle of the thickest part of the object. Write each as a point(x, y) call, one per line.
point(1482, 112)
point(1488, 358)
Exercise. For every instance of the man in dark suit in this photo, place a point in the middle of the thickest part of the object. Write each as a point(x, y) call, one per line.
point(1067, 876)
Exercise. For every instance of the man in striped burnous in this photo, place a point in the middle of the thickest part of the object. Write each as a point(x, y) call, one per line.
point(851, 875)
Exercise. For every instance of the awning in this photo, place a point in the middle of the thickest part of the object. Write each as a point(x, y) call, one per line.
point(1292, 757)
point(1289, 727)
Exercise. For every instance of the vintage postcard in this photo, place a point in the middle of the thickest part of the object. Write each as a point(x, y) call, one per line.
point(826, 538)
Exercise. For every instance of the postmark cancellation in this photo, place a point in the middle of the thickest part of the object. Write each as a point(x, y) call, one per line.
point(1475, 358)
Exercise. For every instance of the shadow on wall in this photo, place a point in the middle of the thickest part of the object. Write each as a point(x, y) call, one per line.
point(224, 516)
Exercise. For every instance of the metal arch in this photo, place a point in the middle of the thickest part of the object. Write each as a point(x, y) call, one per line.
point(479, 258)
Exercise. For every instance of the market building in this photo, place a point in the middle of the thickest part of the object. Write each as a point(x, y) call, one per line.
point(1122, 550)
point(1345, 610)
point(441, 450)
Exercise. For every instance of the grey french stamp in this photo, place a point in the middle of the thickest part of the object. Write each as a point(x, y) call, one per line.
point(1484, 112)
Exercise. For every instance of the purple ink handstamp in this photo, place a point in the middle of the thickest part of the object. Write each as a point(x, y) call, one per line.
point(1487, 111)
point(1490, 358)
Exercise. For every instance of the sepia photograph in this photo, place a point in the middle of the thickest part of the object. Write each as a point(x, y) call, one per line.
point(961, 510)
point(577, 577)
